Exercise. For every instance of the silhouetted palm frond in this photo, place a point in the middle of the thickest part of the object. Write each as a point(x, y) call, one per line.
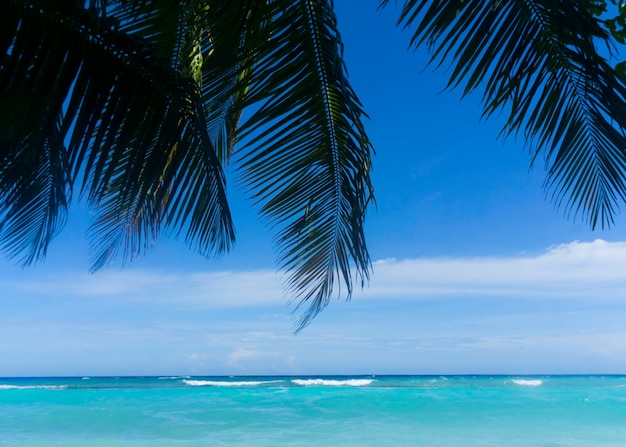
point(306, 156)
point(134, 125)
point(544, 63)
point(137, 104)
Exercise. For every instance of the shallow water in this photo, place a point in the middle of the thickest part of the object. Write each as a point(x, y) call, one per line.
point(455, 411)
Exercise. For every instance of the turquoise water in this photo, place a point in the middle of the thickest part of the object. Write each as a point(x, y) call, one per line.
point(455, 411)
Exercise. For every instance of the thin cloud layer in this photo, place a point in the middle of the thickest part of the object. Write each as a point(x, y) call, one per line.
point(578, 269)
point(574, 269)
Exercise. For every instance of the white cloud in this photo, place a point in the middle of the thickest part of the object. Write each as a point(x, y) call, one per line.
point(578, 269)
point(575, 269)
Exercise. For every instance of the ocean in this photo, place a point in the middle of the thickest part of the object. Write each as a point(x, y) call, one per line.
point(380, 411)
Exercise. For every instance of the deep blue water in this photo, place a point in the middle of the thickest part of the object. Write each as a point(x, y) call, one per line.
point(446, 411)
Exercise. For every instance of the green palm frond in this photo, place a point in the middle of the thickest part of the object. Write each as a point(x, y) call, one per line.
point(208, 41)
point(538, 61)
point(230, 39)
point(305, 155)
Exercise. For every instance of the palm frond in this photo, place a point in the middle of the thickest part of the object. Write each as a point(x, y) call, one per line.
point(305, 155)
point(539, 62)
point(150, 95)
point(135, 124)
point(233, 30)
point(208, 41)
point(33, 194)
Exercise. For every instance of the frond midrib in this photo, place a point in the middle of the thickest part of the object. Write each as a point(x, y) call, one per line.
point(332, 134)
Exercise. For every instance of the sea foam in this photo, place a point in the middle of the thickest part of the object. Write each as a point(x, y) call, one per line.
point(528, 382)
point(327, 382)
point(33, 387)
point(225, 383)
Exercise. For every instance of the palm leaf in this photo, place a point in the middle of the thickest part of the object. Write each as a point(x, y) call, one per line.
point(135, 124)
point(538, 62)
point(233, 31)
point(305, 155)
point(150, 96)
point(33, 195)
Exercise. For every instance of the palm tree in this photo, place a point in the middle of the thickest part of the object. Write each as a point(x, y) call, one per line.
point(138, 105)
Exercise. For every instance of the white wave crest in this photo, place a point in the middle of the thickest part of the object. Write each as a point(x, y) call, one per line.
point(174, 377)
point(33, 387)
point(325, 382)
point(523, 382)
point(225, 383)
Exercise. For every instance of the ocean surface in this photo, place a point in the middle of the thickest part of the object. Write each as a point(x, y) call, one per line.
point(433, 411)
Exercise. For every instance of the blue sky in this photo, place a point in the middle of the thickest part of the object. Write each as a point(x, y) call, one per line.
point(474, 271)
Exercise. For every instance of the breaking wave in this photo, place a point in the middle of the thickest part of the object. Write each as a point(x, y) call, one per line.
point(528, 382)
point(328, 382)
point(227, 383)
point(33, 387)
